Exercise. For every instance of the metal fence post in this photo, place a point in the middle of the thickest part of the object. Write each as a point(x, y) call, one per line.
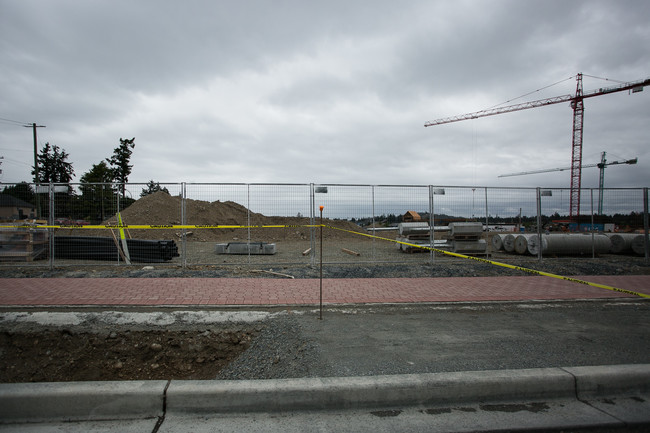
point(183, 222)
point(50, 220)
point(312, 204)
point(487, 221)
point(487, 225)
point(539, 223)
point(646, 240)
point(432, 230)
point(248, 221)
point(593, 239)
point(374, 232)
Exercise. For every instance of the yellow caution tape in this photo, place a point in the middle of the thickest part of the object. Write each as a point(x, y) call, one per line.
point(155, 226)
point(505, 265)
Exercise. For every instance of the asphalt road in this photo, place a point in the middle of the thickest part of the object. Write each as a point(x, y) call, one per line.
point(480, 336)
point(359, 340)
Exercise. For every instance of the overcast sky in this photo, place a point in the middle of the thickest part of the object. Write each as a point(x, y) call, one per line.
point(324, 92)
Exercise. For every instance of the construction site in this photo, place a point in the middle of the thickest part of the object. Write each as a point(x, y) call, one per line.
point(193, 282)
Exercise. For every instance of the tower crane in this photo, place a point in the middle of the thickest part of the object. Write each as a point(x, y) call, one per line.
point(601, 165)
point(577, 104)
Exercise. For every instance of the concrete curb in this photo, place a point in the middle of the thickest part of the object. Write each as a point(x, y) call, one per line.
point(34, 402)
point(608, 380)
point(78, 401)
point(369, 391)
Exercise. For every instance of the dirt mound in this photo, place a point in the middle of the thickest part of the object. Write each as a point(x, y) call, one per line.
point(161, 208)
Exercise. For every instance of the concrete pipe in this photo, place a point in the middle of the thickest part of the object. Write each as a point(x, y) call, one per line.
point(497, 242)
point(509, 243)
point(521, 243)
point(570, 244)
point(622, 242)
point(637, 245)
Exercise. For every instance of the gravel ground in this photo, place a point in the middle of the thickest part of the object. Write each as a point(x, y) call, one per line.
point(280, 350)
point(443, 267)
point(375, 259)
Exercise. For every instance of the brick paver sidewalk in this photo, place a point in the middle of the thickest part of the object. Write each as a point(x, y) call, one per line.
point(271, 291)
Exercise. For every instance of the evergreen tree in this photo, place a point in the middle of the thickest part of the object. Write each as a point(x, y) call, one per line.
point(97, 197)
point(119, 162)
point(53, 165)
point(152, 187)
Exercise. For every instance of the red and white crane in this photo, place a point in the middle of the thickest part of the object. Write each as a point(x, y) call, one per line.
point(577, 104)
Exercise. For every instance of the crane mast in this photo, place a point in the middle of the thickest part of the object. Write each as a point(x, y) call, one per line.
point(577, 104)
point(576, 150)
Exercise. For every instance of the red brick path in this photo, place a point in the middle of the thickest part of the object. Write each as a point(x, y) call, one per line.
point(269, 291)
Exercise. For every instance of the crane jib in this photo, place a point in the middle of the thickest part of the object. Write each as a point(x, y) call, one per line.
point(636, 86)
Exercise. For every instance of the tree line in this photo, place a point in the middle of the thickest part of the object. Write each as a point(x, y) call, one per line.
point(102, 189)
point(53, 166)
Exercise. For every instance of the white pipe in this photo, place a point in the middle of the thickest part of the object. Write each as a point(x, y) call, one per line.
point(509, 243)
point(638, 246)
point(568, 244)
point(497, 242)
point(521, 243)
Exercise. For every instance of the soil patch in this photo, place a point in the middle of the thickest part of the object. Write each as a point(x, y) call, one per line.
point(65, 355)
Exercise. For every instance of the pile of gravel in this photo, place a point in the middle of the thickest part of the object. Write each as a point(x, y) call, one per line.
point(280, 350)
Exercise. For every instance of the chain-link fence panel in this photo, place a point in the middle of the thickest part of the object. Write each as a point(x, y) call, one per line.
point(185, 224)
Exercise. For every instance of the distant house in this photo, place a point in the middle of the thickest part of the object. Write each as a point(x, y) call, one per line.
point(411, 217)
point(12, 208)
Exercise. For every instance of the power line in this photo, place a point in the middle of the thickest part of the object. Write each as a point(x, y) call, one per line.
point(15, 161)
point(14, 121)
point(4, 149)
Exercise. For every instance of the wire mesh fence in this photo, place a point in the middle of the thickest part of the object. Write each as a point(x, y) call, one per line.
point(187, 224)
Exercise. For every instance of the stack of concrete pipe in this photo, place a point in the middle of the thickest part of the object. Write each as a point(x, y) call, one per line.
point(466, 237)
point(569, 243)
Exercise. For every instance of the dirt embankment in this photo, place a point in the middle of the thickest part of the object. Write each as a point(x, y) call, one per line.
point(162, 208)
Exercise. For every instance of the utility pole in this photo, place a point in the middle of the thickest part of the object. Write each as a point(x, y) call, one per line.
point(38, 200)
point(34, 126)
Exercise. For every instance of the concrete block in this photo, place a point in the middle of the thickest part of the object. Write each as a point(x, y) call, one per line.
point(71, 401)
point(257, 248)
point(479, 246)
point(411, 228)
